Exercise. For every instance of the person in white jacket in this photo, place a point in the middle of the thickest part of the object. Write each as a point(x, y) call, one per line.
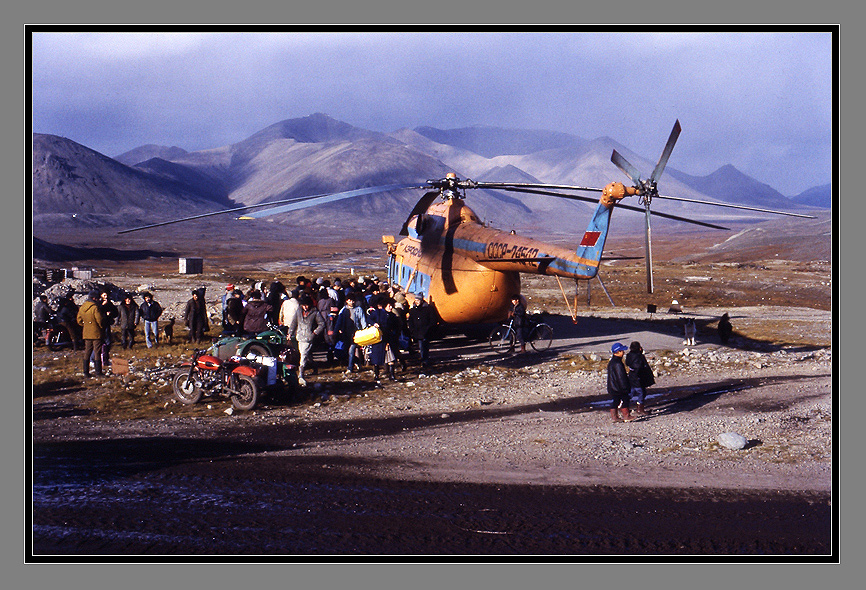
point(288, 309)
point(304, 327)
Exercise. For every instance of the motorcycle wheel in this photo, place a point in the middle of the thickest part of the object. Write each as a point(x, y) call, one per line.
point(249, 393)
point(258, 350)
point(185, 389)
point(60, 339)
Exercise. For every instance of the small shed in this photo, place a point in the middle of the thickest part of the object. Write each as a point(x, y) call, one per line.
point(190, 266)
point(81, 273)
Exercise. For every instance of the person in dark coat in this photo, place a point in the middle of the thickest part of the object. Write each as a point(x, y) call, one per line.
point(42, 316)
point(377, 316)
point(234, 319)
point(640, 375)
point(150, 310)
point(350, 319)
point(421, 320)
point(330, 333)
point(195, 317)
point(109, 310)
point(392, 346)
point(255, 314)
point(129, 318)
point(618, 385)
point(518, 316)
point(42, 311)
point(67, 312)
point(276, 295)
point(725, 328)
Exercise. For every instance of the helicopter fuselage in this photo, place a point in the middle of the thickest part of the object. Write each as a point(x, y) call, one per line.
point(470, 271)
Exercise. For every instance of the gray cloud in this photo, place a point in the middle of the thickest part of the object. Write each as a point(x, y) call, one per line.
point(761, 101)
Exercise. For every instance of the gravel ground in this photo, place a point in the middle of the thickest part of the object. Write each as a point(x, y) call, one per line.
point(480, 442)
point(543, 424)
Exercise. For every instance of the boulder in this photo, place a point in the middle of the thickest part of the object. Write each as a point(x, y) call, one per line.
point(732, 440)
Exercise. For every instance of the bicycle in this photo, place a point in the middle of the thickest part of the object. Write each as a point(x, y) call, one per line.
point(503, 338)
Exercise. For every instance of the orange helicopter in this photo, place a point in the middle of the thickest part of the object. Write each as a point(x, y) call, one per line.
point(470, 271)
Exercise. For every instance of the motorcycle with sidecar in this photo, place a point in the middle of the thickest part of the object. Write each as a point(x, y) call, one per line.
point(242, 379)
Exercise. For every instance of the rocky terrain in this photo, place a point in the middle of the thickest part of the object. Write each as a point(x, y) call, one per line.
point(477, 454)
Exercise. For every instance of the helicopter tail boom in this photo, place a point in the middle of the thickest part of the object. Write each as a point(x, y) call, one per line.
point(591, 245)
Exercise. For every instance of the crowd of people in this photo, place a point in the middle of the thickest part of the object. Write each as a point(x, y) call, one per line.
point(316, 314)
point(328, 313)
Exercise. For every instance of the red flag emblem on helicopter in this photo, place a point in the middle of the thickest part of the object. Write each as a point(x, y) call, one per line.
point(590, 238)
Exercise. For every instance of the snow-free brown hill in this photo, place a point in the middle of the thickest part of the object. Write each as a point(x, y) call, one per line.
point(73, 184)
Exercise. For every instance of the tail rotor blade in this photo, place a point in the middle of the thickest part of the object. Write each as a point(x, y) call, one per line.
point(624, 165)
point(666, 153)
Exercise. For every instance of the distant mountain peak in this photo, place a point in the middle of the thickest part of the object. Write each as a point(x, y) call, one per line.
point(149, 151)
point(817, 196)
point(315, 128)
point(496, 141)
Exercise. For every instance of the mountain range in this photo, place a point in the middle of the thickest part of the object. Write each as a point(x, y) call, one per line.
point(74, 185)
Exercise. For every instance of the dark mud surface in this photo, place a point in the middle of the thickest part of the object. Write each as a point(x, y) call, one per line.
point(156, 496)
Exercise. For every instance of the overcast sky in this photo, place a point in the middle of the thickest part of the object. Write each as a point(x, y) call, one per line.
point(760, 101)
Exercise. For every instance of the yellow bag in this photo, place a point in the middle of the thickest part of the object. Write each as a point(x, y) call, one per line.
point(368, 336)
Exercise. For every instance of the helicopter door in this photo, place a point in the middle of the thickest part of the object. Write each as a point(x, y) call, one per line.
point(393, 273)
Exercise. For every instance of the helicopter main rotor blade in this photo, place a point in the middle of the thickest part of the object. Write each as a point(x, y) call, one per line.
point(624, 165)
point(305, 202)
point(210, 214)
point(623, 206)
point(732, 206)
point(666, 153)
point(284, 204)
point(554, 194)
point(520, 185)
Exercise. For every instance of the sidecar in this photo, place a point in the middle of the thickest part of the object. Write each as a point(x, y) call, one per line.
point(269, 343)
